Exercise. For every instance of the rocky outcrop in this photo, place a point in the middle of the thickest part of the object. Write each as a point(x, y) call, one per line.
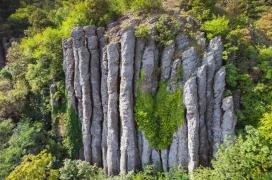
point(106, 68)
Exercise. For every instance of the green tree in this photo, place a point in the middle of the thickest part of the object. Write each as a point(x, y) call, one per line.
point(249, 157)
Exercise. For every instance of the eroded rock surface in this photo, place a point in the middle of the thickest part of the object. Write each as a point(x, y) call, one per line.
point(105, 68)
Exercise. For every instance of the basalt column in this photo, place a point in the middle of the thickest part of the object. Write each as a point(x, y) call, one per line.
point(97, 112)
point(129, 152)
point(113, 153)
point(84, 74)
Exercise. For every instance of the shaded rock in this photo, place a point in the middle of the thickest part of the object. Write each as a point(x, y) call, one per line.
point(189, 63)
point(140, 45)
point(216, 46)
point(209, 61)
point(203, 134)
point(97, 115)
point(219, 88)
point(164, 159)
point(176, 76)
point(182, 154)
point(69, 67)
point(182, 41)
point(166, 61)
point(146, 152)
point(156, 159)
point(229, 119)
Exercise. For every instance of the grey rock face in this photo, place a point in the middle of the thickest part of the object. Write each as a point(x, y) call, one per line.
point(140, 44)
point(219, 88)
point(129, 152)
point(201, 40)
point(229, 119)
point(209, 61)
point(84, 69)
point(146, 152)
point(69, 67)
point(97, 116)
point(216, 47)
point(176, 76)
point(104, 99)
point(164, 159)
point(182, 41)
point(102, 81)
point(203, 134)
point(192, 116)
point(189, 63)
point(149, 68)
point(156, 159)
point(113, 116)
point(166, 61)
point(182, 155)
point(173, 152)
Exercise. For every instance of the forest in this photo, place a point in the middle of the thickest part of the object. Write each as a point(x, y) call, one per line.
point(40, 132)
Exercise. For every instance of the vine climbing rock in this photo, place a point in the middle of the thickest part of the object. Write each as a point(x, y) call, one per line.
point(114, 81)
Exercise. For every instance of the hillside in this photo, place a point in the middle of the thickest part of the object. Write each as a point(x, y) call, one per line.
point(134, 89)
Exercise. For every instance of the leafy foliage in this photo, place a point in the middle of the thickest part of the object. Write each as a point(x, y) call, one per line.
point(248, 158)
point(215, 27)
point(159, 115)
point(35, 167)
point(78, 169)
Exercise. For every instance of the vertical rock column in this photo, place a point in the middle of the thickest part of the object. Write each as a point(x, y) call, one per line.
point(78, 41)
point(209, 61)
point(84, 72)
point(192, 116)
point(113, 153)
point(219, 88)
point(104, 92)
point(69, 67)
point(97, 112)
point(203, 135)
point(129, 152)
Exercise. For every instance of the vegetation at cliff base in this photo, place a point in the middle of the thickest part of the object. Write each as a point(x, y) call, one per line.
point(39, 143)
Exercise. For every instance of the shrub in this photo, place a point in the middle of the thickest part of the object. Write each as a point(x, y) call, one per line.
point(248, 158)
point(142, 31)
point(28, 137)
point(167, 28)
point(159, 115)
point(77, 169)
point(34, 167)
point(215, 27)
point(6, 127)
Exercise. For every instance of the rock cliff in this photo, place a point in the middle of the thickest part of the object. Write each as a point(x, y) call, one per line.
point(105, 68)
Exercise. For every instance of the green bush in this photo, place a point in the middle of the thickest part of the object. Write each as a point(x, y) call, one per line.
point(28, 137)
point(215, 27)
point(250, 157)
point(35, 167)
point(142, 31)
point(73, 134)
point(167, 28)
point(159, 115)
point(77, 169)
point(6, 127)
